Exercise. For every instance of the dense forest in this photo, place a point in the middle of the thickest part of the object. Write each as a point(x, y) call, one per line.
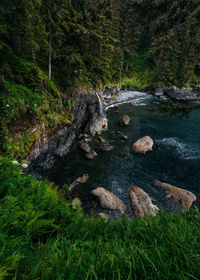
point(51, 51)
point(80, 43)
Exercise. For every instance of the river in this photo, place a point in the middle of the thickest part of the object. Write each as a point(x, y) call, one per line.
point(175, 158)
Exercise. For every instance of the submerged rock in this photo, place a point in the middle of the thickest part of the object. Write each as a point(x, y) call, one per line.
point(85, 146)
point(91, 155)
point(80, 180)
point(141, 203)
point(124, 121)
point(109, 200)
point(124, 137)
point(143, 145)
point(182, 196)
point(101, 139)
point(106, 147)
point(182, 95)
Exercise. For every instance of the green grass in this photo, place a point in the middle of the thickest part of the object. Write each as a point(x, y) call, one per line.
point(42, 237)
point(18, 99)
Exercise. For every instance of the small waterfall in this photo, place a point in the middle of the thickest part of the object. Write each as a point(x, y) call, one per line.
point(101, 112)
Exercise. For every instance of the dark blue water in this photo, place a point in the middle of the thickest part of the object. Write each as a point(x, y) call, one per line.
point(175, 158)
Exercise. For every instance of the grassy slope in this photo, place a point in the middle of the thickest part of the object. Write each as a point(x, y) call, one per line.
point(41, 237)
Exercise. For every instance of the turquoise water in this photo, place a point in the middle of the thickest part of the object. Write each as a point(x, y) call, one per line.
point(175, 158)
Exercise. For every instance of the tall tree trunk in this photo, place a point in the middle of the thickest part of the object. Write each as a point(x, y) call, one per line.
point(49, 38)
point(50, 51)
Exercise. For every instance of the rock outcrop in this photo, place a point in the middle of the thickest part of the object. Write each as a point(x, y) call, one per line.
point(108, 200)
point(98, 125)
point(143, 145)
point(141, 203)
point(182, 196)
point(124, 121)
point(53, 144)
point(182, 95)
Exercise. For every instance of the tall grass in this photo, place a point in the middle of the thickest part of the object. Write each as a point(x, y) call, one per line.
point(41, 237)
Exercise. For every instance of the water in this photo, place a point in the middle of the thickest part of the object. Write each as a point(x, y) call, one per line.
point(175, 158)
point(101, 111)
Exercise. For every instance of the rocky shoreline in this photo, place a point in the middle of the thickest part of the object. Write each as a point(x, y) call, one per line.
point(87, 119)
point(50, 147)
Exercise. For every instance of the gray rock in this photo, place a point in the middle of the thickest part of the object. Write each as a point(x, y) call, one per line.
point(108, 200)
point(98, 125)
point(141, 203)
point(159, 92)
point(184, 197)
point(53, 144)
point(84, 146)
point(182, 95)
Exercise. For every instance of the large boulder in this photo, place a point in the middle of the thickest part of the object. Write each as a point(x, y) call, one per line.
point(141, 203)
point(124, 121)
point(182, 196)
point(98, 125)
point(143, 145)
point(108, 200)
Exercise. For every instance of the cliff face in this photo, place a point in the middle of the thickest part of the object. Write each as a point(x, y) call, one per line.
point(53, 144)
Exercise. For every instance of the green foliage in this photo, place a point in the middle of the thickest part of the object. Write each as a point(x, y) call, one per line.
point(17, 99)
point(19, 148)
point(41, 236)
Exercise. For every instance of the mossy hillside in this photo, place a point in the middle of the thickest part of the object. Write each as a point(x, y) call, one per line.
point(25, 112)
point(42, 237)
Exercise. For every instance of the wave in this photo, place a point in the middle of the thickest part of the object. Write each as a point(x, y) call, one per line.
point(180, 149)
point(125, 97)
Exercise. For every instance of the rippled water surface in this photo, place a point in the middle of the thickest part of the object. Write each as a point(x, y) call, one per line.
point(175, 158)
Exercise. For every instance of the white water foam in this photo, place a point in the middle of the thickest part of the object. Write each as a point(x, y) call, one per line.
point(182, 150)
point(127, 95)
point(124, 97)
